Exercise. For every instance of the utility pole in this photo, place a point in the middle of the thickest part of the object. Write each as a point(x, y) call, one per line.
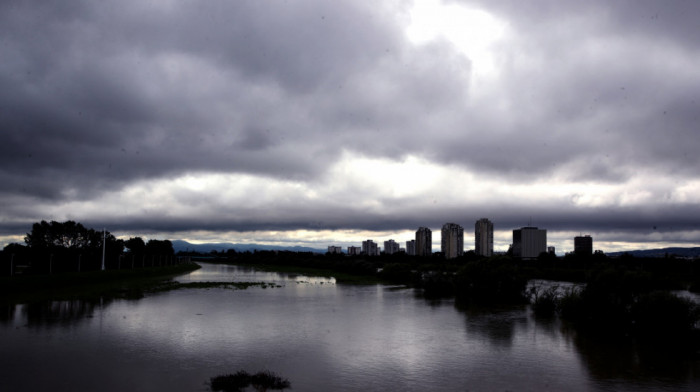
point(104, 237)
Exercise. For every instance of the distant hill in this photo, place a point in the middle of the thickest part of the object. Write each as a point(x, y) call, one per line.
point(663, 252)
point(179, 245)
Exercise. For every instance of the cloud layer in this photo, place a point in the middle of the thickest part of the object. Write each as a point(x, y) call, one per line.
point(275, 117)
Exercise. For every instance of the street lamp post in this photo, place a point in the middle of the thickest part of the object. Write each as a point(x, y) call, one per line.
point(104, 237)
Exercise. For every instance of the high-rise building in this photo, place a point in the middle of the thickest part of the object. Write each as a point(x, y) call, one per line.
point(583, 245)
point(335, 249)
point(391, 247)
point(483, 237)
point(529, 242)
point(424, 242)
point(354, 250)
point(411, 247)
point(452, 240)
point(370, 248)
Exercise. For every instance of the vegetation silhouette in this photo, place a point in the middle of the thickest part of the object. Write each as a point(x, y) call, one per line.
point(544, 301)
point(625, 295)
point(59, 247)
point(260, 381)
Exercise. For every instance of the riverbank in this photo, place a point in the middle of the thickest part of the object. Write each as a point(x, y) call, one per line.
point(125, 283)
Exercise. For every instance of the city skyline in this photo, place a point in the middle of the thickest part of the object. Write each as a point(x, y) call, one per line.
point(527, 242)
point(310, 123)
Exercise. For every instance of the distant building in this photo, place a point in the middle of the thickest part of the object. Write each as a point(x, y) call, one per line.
point(483, 237)
point(335, 249)
point(529, 242)
point(354, 250)
point(370, 248)
point(551, 250)
point(391, 247)
point(583, 245)
point(424, 242)
point(411, 247)
point(452, 240)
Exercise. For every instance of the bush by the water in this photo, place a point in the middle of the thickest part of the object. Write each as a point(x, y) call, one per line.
point(261, 381)
point(491, 280)
point(544, 300)
point(622, 301)
point(663, 313)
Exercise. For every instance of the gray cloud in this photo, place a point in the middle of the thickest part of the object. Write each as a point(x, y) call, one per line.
point(95, 99)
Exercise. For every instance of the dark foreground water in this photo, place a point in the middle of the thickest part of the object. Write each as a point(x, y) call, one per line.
point(320, 335)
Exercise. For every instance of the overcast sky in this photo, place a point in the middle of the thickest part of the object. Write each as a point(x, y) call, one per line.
point(329, 122)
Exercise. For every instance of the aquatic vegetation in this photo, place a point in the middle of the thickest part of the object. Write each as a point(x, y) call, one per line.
point(168, 286)
point(261, 381)
point(544, 301)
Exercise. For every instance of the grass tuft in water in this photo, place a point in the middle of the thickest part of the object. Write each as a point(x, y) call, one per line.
point(261, 381)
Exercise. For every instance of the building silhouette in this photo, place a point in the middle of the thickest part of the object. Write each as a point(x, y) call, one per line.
point(424, 242)
point(335, 249)
point(391, 247)
point(370, 248)
point(583, 245)
point(483, 237)
point(452, 240)
point(529, 242)
point(354, 250)
point(411, 247)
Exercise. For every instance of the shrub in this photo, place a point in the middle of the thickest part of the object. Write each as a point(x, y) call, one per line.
point(261, 381)
point(544, 302)
point(570, 304)
point(664, 315)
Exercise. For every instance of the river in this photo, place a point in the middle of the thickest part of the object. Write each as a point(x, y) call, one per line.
point(320, 335)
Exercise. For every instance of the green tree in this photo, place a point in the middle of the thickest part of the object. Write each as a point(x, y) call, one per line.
point(66, 235)
point(160, 247)
point(70, 235)
point(135, 245)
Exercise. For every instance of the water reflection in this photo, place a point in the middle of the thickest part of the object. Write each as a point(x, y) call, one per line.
point(623, 360)
point(51, 313)
point(224, 272)
point(7, 313)
point(497, 325)
point(320, 335)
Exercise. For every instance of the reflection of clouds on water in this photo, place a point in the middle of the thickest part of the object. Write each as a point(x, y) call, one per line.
point(319, 336)
point(225, 272)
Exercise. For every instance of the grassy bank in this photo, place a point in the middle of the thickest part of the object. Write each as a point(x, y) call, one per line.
point(83, 285)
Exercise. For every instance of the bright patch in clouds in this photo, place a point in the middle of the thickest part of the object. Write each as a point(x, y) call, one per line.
point(318, 122)
point(474, 32)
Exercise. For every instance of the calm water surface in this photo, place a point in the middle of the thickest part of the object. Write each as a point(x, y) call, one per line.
point(320, 335)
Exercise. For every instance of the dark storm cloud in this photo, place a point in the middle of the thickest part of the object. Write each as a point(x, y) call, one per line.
point(97, 97)
point(105, 94)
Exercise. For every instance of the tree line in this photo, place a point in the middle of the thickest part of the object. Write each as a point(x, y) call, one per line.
point(53, 247)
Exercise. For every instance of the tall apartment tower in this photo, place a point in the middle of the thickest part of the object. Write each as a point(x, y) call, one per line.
point(483, 237)
point(583, 245)
point(391, 247)
point(529, 242)
point(411, 247)
point(452, 240)
point(370, 248)
point(424, 242)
